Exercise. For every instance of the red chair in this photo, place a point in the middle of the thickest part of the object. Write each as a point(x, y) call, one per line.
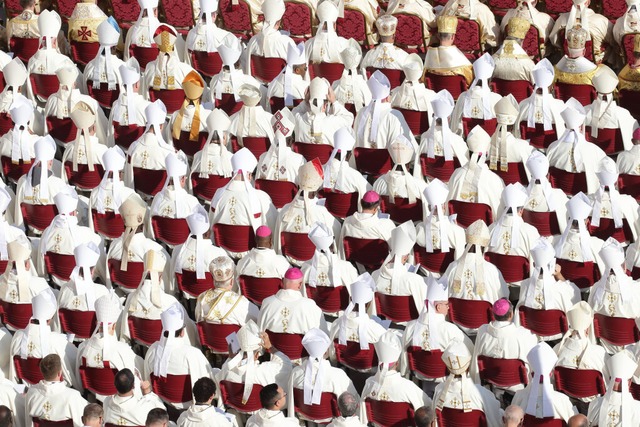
point(412, 38)
point(585, 94)
point(436, 261)
point(281, 192)
point(401, 210)
point(205, 188)
point(384, 413)
point(310, 151)
point(149, 181)
point(214, 336)
point(533, 44)
point(469, 123)
point(256, 144)
point(449, 417)
point(545, 222)
point(289, 344)
point(109, 224)
point(454, 84)
point(396, 308)
point(144, 331)
point(607, 228)
point(627, 47)
point(532, 421)
point(502, 372)
point(513, 268)
point(179, 14)
point(583, 274)
point(418, 121)
point(6, 123)
point(126, 12)
point(629, 184)
point(500, 7)
point(589, 51)
point(236, 18)
point(256, 289)
point(172, 388)
point(234, 238)
point(515, 172)
point(172, 99)
point(298, 20)
point(39, 422)
point(12, 8)
point(83, 52)
point(16, 315)
point(330, 299)
point(228, 103)
point(189, 283)
point(369, 252)
point(544, 323)
point(266, 69)
point(44, 85)
point(615, 330)
point(470, 314)
point(144, 55)
point(353, 357)
point(569, 182)
point(324, 411)
point(296, 246)
point(635, 390)
point(396, 77)
point(579, 383)
point(63, 130)
point(232, 397)
point(105, 97)
point(24, 47)
point(353, 26)
point(331, 71)
point(468, 38)
point(372, 161)
point(428, 364)
point(438, 167)
point(206, 63)
point(538, 137)
point(468, 212)
point(277, 103)
point(124, 136)
point(340, 205)
point(172, 231)
point(556, 7)
point(83, 178)
point(15, 171)
point(634, 273)
point(38, 216)
point(28, 370)
point(610, 140)
point(59, 265)
point(129, 279)
point(629, 99)
point(80, 323)
point(98, 380)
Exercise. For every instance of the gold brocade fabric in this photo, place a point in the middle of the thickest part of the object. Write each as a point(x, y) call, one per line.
point(629, 79)
point(575, 78)
point(465, 71)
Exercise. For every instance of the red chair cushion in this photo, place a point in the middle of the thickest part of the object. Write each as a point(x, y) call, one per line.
point(629, 184)
point(234, 238)
point(538, 137)
point(352, 356)
point(513, 268)
point(206, 63)
point(607, 228)
point(579, 383)
point(502, 372)
point(311, 151)
point(331, 71)
point(436, 261)
point(105, 97)
point(16, 315)
point(569, 182)
point(172, 231)
point(44, 85)
point(232, 397)
point(256, 289)
point(544, 323)
point(412, 37)
point(63, 130)
point(296, 245)
point(585, 94)
point(14, 171)
point(281, 192)
point(545, 222)
point(470, 314)
point(583, 274)
point(28, 370)
point(266, 69)
point(372, 161)
point(59, 265)
point(325, 410)
point(429, 364)
point(531, 420)
point(330, 299)
point(340, 205)
point(228, 103)
point(256, 144)
point(98, 380)
point(449, 417)
point(609, 140)
point(178, 13)
point(83, 178)
point(172, 388)
point(145, 331)
point(468, 38)
point(418, 121)
point(38, 216)
point(401, 210)
point(396, 77)
point(385, 413)
point(80, 323)
point(396, 308)
point(190, 147)
point(369, 252)
point(39, 422)
point(126, 12)
point(532, 44)
point(616, 330)
point(109, 224)
point(205, 188)
point(289, 344)
point(24, 48)
point(454, 84)
point(172, 98)
point(129, 279)
point(190, 284)
point(84, 52)
point(468, 213)
point(144, 55)
point(352, 26)
point(124, 136)
point(469, 123)
point(149, 181)
point(6, 123)
point(515, 172)
point(214, 336)
point(438, 167)
point(298, 19)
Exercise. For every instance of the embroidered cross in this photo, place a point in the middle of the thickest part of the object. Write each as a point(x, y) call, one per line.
point(192, 261)
point(13, 295)
point(108, 200)
point(97, 358)
point(323, 277)
point(604, 212)
point(278, 125)
point(145, 156)
point(259, 272)
point(30, 347)
point(572, 254)
point(200, 44)
point(47, 406)
point(76, 302)
point(533, 203)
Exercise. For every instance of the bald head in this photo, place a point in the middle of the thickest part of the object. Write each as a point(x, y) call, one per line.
point(578, 420)
point(513, 416)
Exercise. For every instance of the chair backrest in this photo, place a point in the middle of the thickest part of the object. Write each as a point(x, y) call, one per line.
point(24, 47)
point(544, 323)
point(396, 308)
point(438, 167)
point(143, 54)
point(130, 278)
point(214, 336)
point(468, 38)
point(468, 212)
point(228, 103)
point(189, 283)
point(40, 422)
point(62, 129)
point(531, 420)
point(38, 216)
point(281, 192)
point(266, 69)
point(620, 331)
point(236, 17)
point(298, 20)
point(455, 84)
point(6, 123)
point(234, 238)
point(449, 417)
point(98, 380)
point(515, 172)
point(59, 265)
point(172, 98)
point(369, 252)
point(469, 123)
point(178, 13)
point(412, 37)
point(353, 26)
point(126, 12)
point(372, 161)
point(569, 182)
point(545, 222)
point(396, 77)
point(296, 245)
point(325, 410)
point(635, 390)
point(427, 363)
point(172, 231)
point(144, 331)
point(83, 178)
point(205, 188)
point(340, 205)
point(190, 147)
point(502, 372)
point(149, 181)
point(608, 139)
point(28, 370)
point(232, 396)
point(579, 383)
point(514, 268)
point(83, 52)
point(289, 344)
point(108, 224)
point(556, 7)
point(538, 137)
point(385, 413)
point(331, 71)
point(607, 228)
point(352, 356)
point(310, 151)
point(80, 323)
point(470, 314)
point(583, 274)
point(330, 299)
point(256, 144)
point(44, 85)
point(418, 121)
point(16, 315)
point(533, 44)
point(256, 289)
point(401, 210)
point(436, 261)
point(629, 184)
point(172, 388)
point(124, 136)
point(627, 47)
point(206, 63)
point(585, 94)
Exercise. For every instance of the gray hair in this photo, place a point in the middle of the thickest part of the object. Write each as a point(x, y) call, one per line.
point(348, 404)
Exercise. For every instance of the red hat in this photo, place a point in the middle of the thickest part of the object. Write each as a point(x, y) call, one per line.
point(501, 307)
point(371, 197)
point(263, 231)
point(293, 274)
